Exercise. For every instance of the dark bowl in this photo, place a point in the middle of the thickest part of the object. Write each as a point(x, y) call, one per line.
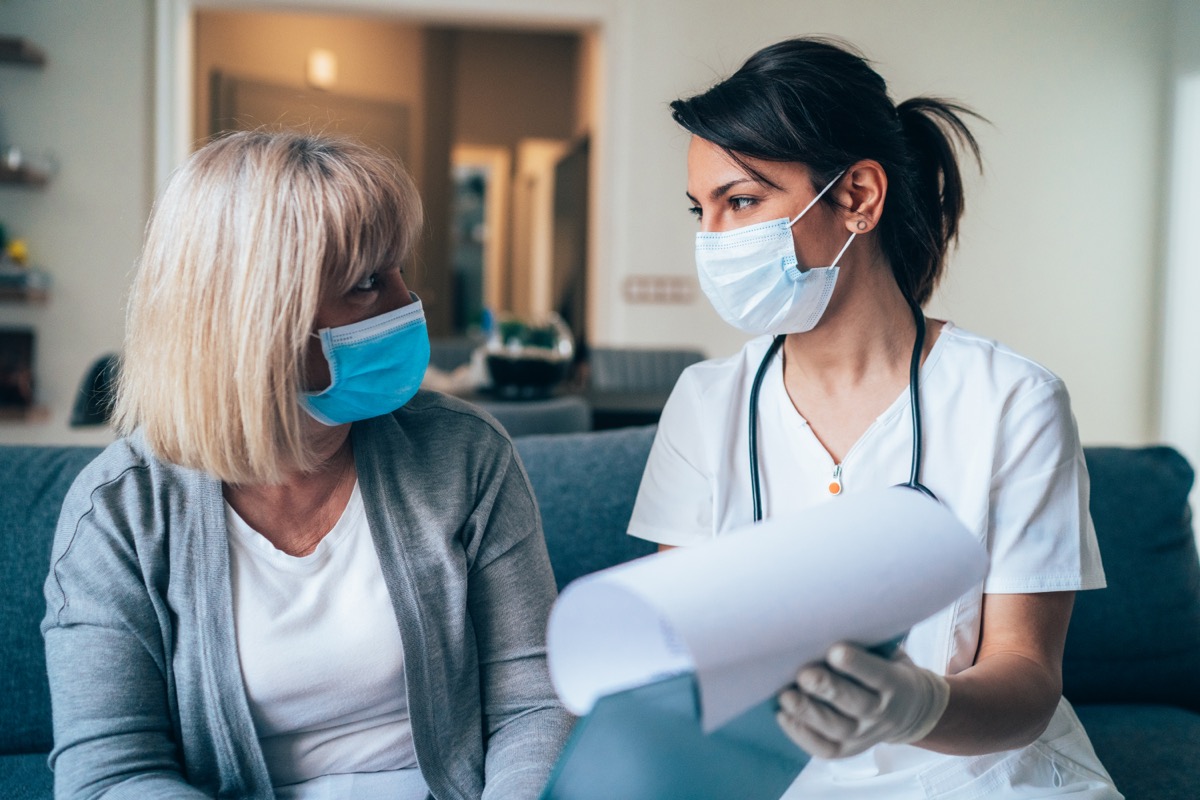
point(525, 376)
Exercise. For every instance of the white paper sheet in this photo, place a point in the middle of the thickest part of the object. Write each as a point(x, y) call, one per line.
point(745, 611)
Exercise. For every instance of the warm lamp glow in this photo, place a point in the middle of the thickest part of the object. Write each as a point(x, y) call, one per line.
point(322, 69)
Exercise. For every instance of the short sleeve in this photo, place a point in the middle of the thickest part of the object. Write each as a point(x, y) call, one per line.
point(1040, 533)
point(675, 500)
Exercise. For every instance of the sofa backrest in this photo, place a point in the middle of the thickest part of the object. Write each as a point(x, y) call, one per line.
point(33, 482)
point(630, 369)
point(1137, 641)
point(585, 486)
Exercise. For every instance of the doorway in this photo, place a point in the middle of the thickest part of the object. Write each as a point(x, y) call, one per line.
point(494, 124)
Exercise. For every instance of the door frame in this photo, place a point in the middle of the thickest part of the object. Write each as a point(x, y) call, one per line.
point(174, 61)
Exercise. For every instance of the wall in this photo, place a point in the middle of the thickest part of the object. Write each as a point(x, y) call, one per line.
point(89, 108)
point(1060, 255)
point(1060, 252)
point(514, 85)
point(376, 59)
point(1180, 366)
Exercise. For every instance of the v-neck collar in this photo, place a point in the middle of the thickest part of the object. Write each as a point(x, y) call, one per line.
point(792, 416)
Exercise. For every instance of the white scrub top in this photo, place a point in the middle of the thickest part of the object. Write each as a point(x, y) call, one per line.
point(1000, 450)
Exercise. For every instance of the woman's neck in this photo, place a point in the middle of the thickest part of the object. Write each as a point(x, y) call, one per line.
point(844, 373)
point(865, 335)
point(296, 513)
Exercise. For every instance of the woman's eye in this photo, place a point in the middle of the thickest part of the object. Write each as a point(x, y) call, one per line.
point(368, 284)
point(696, 212)
point(741, 203)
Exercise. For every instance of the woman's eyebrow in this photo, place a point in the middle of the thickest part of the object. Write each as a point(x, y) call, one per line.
point(718, 192)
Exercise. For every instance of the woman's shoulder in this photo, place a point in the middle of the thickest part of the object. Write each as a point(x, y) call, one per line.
point(124, 472)
point(434, 427)
point(711, 391)
point(723, 376)
point(131, 496)
point(981, 359)
point(450, 417)
point(118, 513)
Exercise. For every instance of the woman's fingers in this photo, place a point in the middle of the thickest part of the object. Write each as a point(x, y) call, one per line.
point(807, 739)
point(868, 669)
point(849, 697)
point(816, 716)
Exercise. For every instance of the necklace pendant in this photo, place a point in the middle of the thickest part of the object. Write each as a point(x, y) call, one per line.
point(835, 485)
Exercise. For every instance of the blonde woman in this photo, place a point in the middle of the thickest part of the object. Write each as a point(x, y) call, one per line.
point(296, 576)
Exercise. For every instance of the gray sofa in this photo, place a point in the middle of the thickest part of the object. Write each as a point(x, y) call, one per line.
point(1133, 653)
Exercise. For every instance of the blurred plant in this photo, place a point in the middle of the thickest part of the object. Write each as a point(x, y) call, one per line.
point(13, 252)
point(550, 334)
point(17, 251)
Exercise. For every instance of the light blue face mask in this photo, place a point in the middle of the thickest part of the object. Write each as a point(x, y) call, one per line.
point(375, 366)
point(751, 277)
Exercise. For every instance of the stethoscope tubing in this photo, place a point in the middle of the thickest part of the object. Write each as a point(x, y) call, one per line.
point(914, 396)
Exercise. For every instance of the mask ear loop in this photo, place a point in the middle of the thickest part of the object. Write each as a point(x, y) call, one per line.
point(842, 252)
point(820, 194)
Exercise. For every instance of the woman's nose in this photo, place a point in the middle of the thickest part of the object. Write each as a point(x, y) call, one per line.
point(398, 294)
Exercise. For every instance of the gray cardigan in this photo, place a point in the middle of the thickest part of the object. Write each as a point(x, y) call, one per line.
point(146, 689)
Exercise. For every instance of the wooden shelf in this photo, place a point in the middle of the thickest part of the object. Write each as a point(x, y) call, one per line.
point(9, 294)
point(15, 50)
point(19, 414)
point(20, 52)
point(22, 176)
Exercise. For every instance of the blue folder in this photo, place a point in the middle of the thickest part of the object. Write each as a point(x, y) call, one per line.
point(646, 743)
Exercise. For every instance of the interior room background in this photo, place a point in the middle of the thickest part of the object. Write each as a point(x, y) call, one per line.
point(1079, 247)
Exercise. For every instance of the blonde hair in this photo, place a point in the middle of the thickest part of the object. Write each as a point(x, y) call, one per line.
point(248, 236)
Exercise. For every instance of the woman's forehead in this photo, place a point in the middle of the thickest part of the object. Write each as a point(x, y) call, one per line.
point(711, 167)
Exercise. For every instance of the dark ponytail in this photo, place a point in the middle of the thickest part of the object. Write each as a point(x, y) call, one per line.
point(817, 102)
point(931, 126)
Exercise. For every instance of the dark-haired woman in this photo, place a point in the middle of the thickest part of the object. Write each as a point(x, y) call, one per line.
point(826, 214)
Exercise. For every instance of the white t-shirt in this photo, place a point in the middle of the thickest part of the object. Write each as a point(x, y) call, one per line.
point(1000, 450)
point(322, 663)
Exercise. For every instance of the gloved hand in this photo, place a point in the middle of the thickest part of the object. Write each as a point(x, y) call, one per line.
point(855, 700)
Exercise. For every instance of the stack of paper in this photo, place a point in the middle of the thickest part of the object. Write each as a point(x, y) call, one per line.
point(676, 658)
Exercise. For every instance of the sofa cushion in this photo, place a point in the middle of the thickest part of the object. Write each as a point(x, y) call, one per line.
point(35, 480)
point(585, 486)
point(26, 777)
point(1150, 751)
point(1139, 639)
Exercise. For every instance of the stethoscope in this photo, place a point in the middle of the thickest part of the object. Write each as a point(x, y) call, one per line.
point(914, 396)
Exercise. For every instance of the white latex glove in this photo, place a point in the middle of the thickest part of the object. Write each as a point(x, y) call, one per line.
point(855, 700)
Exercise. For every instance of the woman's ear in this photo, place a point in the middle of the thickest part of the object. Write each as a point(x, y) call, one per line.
point(861, 194)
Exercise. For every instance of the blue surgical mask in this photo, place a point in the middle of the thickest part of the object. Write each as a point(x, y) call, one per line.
point(375, 366)
point(752, 279)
